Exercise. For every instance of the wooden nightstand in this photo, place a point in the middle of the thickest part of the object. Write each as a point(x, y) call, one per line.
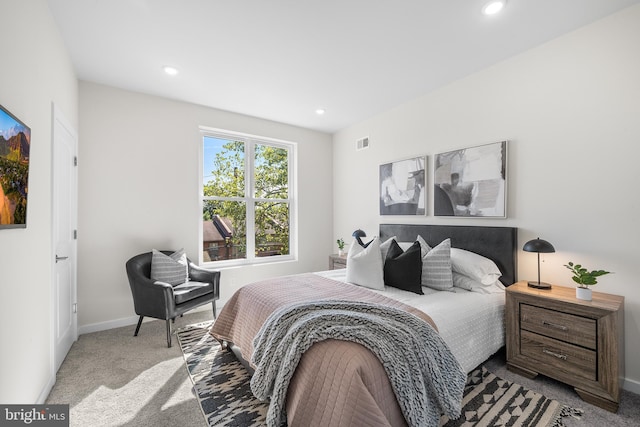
point(581, 343)
point(337, 261)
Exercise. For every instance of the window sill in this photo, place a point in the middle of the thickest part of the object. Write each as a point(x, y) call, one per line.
point(246, 262)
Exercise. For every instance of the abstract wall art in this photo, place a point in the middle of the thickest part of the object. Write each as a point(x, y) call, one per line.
point(471, 182)
point(403, 187)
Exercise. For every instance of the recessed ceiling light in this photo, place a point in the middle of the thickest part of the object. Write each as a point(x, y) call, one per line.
point(320, 111)
point(172, 71)
point(493, 7)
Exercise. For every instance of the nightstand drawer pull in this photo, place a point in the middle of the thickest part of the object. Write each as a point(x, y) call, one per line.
point(559, 356)
point(554, 325)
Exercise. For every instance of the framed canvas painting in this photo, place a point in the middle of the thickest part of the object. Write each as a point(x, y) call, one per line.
point(471, 182)
point(403, 187)
point(15, 141)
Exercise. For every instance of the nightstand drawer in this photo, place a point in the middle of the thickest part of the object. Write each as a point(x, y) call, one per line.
point(573, 329)
point(557, 355)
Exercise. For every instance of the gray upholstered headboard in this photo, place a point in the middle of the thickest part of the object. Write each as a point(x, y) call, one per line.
point(496, 243)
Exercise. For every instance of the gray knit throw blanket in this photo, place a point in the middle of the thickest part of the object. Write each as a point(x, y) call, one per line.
point(426, 378)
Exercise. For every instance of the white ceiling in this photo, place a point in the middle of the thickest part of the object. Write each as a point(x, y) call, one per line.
point(283, 59)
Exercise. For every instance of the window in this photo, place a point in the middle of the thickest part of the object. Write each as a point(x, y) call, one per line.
point(247, 198)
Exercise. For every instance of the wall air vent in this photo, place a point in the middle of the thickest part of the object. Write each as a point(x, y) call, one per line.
point(362, 143)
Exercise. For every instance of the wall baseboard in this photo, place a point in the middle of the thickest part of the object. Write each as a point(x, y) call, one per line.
point(46, 390)
point(129, 321)
point(631, 385)
point(109, 324)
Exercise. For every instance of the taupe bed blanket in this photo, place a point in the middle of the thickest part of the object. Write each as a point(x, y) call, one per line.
point(425, 376)
point(337, 383)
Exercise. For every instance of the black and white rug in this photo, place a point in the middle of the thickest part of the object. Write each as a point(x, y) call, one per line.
point(491, 401)
point(220, 382)
point(222, 386)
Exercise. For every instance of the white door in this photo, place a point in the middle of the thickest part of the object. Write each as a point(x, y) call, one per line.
point(65, 323)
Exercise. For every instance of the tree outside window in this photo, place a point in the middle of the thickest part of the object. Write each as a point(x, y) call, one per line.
point(246, 198)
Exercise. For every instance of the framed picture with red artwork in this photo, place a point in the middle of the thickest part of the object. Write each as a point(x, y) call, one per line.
point(15, 142)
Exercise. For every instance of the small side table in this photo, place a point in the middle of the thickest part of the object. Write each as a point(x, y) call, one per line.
point(581, 343)
point(337, 261)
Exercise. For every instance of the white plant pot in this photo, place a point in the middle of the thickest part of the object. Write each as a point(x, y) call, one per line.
point(340, 252)
point(583, 294)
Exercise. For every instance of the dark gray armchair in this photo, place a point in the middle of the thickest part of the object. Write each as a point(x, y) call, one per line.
point(163, 301)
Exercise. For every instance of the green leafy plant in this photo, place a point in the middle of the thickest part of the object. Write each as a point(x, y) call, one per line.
point(583, 277)
point(340, 243)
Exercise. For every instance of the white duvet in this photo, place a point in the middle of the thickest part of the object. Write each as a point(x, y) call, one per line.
point(471, 323)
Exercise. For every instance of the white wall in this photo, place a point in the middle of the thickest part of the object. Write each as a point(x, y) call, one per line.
point(36, 71)
point(138, 190)
point(571, 112)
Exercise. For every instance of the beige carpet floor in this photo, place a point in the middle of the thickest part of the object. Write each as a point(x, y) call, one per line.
point(112, 378)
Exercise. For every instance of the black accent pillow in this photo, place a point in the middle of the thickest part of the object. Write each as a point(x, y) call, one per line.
point(403, 270)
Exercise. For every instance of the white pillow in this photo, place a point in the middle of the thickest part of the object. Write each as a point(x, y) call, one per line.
point(474, 266)
point(364, 265)
point(496, 288)
point(465, 282)
point(473, 285)
point(436, 265)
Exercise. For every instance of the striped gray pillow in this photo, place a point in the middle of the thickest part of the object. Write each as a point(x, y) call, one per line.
point(436, 265)
point(172, 269)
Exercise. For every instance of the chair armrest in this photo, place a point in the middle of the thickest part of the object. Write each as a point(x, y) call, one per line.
point(147, 285)
point(200, 274)
point(163, 285)
point(154, 299)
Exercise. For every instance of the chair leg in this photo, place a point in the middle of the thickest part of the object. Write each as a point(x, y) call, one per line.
point(135, 334)
point(168, 333)
point(214, 308)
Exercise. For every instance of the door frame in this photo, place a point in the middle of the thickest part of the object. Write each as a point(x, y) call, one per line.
point(58, 117)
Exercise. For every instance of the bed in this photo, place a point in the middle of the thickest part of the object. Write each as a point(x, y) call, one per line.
point(338, 382)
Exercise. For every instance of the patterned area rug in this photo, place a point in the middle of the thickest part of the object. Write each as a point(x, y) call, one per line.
point(492, 401)
point(219, 380)
point(222, 386)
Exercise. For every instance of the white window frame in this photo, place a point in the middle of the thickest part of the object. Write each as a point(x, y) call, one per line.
point(249, 197)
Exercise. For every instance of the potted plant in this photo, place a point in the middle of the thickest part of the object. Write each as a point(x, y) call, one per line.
point(340, 243)
point(584, 278)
